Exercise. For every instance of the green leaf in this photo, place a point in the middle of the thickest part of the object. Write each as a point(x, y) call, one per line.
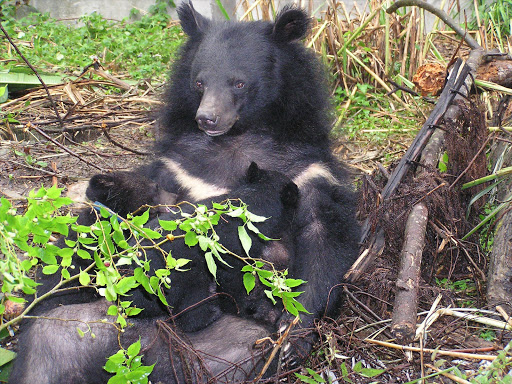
point(104, 212)
point(315, 376)
point(126, 284)
point(83, 254)
point(292, 283)
point(151, 234)
point(168, 225)
point(6, 356)
point(112, 310)
point(249, 282)
point(139, 221)
point(245, 239)
point(134, 349)
point(80, 332)
point(367, 372)
point(132, 311)
point(191, 239)
point(50, 269)
point(84, 278)
point(210, 262)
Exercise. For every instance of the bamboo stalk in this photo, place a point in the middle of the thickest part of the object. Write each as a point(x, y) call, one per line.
point(436, 352)
point(502, 172)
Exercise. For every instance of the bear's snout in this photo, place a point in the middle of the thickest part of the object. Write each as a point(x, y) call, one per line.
point(207, 122)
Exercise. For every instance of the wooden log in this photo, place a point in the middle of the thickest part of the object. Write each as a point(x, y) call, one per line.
point(499, 72)
point(499, 277)
point(403, 325)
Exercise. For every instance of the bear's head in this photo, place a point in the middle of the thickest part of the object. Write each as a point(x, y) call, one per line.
point(236, 67)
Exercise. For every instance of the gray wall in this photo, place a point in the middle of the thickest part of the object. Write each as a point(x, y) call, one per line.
point(119, 9)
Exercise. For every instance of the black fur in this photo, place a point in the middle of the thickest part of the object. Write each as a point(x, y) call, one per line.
point(268, 194)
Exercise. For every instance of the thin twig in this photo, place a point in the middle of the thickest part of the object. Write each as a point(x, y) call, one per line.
point(105, 132)
point(439, 352)
point(42, 133)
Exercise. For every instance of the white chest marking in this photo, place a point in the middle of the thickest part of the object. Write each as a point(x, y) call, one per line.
point(197, 188)
point(315, 171)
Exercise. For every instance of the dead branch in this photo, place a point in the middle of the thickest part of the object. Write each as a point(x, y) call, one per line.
point(473, 44)
point(437, 352)
point(120, 83)
point(499, 288)
point(30, 126)
point(403, 325)
point(456, 80)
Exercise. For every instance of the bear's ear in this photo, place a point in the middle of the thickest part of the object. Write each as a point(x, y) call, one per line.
point(253, 173)
point(193, 23)
point(290, 195)
point(291, 24)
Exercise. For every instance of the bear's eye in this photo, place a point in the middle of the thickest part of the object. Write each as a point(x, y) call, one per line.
point(239, 85)
point(199, 84)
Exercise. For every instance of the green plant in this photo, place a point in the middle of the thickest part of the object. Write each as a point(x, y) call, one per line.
point(314, 379)
point(30, 160)
point(120, 46)
point(109, 244)
point(127, 366)
point(488, 334)
point(495, 15)
point(112, 242)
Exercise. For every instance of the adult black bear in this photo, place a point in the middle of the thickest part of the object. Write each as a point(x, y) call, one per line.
point(244, 92)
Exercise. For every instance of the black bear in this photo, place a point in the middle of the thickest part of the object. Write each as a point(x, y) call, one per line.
point(251, 92)
point(268, 194)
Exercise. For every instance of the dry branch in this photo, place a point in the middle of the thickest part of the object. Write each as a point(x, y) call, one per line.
point(473, 44)
point(403, 326)
point(436, 352)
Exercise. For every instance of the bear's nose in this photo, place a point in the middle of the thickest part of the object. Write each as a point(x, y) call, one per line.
point(207, 122)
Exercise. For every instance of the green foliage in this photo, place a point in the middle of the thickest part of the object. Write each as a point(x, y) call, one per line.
point(314, 379)
point(364, 119)
point(126, 365)
point(28, 234)
point(367, 372)
point(488, 334)
point(121, 46)
point(494, 14)
point(443, 163)
point(30, 160)
point(113, 242)
point(7, 8)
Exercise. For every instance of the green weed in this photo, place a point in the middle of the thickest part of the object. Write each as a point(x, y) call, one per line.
point(141, 49)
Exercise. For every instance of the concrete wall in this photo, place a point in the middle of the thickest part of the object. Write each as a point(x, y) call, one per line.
point(119, 9)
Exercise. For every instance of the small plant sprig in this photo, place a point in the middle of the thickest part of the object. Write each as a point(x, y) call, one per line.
point(126, 365)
